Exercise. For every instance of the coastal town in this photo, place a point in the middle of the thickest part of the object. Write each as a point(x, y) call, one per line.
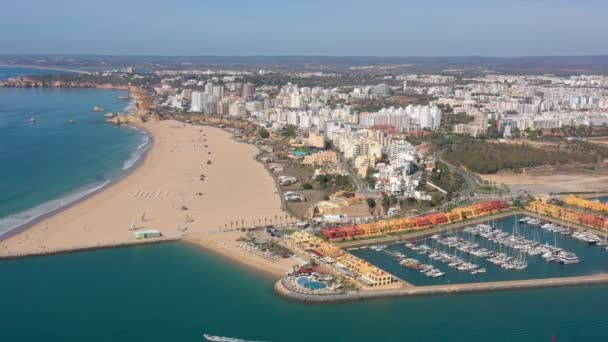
point(358, 187)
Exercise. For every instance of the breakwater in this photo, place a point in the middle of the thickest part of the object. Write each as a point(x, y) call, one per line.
point(597, 279)
point(77, 249)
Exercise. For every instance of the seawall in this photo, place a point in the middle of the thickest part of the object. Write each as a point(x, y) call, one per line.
point(597, 279)
point(70, 250)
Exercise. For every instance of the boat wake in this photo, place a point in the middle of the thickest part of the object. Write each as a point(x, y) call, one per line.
point(225, 339)
point(13, 221)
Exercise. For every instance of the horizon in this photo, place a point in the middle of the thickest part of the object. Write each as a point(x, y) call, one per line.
point(385, 28)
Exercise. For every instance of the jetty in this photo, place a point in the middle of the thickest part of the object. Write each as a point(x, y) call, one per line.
point(406, 291)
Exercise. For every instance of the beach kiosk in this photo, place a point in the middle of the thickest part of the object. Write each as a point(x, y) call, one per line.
point(146, 234)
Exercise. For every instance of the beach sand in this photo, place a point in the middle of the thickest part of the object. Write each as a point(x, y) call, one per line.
point(235, 189)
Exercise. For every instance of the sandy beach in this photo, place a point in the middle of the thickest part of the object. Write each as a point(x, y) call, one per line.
point(167, 193)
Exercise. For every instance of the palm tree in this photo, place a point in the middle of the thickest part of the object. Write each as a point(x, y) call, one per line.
point(231, 224)
point(242, 223)
point(226, 226)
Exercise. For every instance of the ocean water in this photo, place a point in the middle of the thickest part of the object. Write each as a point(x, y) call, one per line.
point(594, 259)
point(10, 71)
point(50, 163)
point(177, 292)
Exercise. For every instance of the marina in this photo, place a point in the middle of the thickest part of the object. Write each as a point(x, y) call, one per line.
point(506, 249)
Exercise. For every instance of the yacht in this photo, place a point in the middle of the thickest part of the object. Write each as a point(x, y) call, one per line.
point(98, 109)
point(586, 237)
point(567, 258)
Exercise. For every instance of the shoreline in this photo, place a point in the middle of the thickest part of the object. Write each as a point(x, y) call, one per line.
point(94, 221)
point(234, 260)
point(111, 182)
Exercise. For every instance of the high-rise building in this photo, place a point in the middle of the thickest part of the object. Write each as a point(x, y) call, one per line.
point(209, 88)
point(187, 94)
point(218, 92)
point(199, 101)
point(248, 89)
point(223, 107)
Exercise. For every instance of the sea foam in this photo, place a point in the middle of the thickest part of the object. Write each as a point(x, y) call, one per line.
point(138, 152)
point(13, 221)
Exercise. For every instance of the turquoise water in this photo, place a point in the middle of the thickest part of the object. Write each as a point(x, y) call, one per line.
point(177, 292)
point(50, 163)
point(594, 259)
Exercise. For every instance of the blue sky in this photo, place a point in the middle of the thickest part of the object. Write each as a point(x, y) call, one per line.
point(306, 27)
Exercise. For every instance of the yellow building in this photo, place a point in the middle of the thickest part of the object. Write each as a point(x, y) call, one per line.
point(362, 163)
point(586, 204)
point(315, 140)
point(369, 275)
point(320, 158)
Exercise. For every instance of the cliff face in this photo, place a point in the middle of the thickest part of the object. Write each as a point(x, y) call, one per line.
point(121, 119)
point(25, 82)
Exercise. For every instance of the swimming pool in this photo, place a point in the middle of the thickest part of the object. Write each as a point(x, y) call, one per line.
point(306, 283)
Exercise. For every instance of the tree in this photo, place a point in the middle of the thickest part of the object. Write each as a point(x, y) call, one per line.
point(263, 133)
point(307, 186)
point(290, 132)
point(371, 202)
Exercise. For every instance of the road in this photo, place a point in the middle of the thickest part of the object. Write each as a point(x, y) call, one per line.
point(469, 181)
point(362, 187)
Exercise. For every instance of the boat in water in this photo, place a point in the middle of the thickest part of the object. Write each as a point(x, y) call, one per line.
point(98, 109)
point(224, 339)
point(567, 258)
point(587, 237)
point(32, 119)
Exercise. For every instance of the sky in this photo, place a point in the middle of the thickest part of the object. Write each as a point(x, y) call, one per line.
point(305, 27)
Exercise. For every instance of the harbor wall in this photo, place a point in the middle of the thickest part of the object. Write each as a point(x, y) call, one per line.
point(598, 279)
point(46, 252)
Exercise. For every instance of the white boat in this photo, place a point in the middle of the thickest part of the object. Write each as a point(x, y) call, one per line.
point(568, 258)
point(32, 119)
